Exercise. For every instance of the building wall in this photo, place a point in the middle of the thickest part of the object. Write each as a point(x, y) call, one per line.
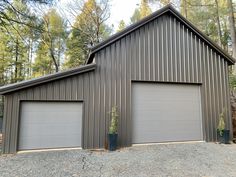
point(163, 50)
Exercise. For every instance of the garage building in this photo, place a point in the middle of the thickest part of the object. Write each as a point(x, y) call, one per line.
point(168, 80)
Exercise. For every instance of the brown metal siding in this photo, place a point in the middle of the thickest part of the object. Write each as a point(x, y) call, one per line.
point(163, 50)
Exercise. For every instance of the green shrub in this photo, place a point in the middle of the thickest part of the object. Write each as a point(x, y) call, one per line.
point(113, 129)
point(221, 124)
point(232, 81)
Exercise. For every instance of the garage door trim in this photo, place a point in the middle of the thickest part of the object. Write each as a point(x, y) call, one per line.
point(165, 82)
point(20, 101)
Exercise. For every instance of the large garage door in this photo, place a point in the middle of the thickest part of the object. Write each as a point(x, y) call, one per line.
point(50, 125)
point(166, 112)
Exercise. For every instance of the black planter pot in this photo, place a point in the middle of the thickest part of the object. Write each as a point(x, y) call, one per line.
point(224, 138)
point(112, 142)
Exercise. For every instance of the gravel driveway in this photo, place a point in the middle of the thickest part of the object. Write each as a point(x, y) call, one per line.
point(195, 159)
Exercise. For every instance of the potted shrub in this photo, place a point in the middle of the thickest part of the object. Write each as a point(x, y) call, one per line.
point(113, 129)
point(222, 133)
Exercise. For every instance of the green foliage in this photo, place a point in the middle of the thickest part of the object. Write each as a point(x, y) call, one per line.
point(221, 124)
point(52, 44)
point(232, 81)
point(88, 30)
point(204, 14)
point(32, 46)
point(141, 12)
point(145, 10)
point(76, 52)
point(22, 17)
point(43, 63)
point(6, 59)
point(113, 129)
point(14, 45)
point(121, 25)
point(136, 16)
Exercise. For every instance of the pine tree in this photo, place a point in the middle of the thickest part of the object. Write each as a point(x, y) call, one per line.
point(52, 44)
point(15, 39)
point(121, 25)
point(88, 30)
point(136, 16)
point(141, 12)
point(145, 10)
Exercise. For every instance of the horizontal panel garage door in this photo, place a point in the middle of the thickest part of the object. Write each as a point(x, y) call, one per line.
point(50, 125)
point(166, 112)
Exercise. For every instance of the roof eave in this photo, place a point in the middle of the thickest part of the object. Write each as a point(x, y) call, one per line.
point(44, 79)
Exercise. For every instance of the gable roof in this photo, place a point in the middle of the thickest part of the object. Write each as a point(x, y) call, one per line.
point(45, 79)
point(166, 9)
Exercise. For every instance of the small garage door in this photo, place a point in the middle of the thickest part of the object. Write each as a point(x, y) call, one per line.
point(50, 125)
point(166, 112)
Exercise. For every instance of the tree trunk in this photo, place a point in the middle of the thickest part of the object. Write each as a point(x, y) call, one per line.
point(59, 54)
point(97, 32)
point(16, 61)
point(2, 79)
point(54, 60)
point(218, 24)
point(31, 57)
point(29, 65)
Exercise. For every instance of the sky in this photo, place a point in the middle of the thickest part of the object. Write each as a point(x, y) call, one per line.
point(120, 10)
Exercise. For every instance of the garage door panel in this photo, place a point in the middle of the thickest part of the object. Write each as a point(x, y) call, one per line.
point(38, 123)
point(47, 130)
point(165, 138)
point(171, 105)
point(168, 127)
point(60, 142)
point(166, 112)
point(50, 125)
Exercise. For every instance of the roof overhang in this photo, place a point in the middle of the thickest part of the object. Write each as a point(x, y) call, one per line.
point(165, 9)
point(44, 79)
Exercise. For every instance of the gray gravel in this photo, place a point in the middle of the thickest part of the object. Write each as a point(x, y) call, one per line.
point(196, 159)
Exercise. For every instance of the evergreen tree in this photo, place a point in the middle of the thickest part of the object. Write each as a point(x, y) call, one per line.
point(10, 6)
point(136, 16)
point(52, 44)
point(210, 17)
point(232, 26)
point(121, 25)
point(141, 12)
point(145, 10)
point(14, 44)
point(88, 30)
point(76, 52)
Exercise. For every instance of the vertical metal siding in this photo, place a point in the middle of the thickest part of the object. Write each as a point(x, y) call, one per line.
point(162, 50)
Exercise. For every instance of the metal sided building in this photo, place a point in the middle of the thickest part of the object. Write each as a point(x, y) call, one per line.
point(168, 80)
